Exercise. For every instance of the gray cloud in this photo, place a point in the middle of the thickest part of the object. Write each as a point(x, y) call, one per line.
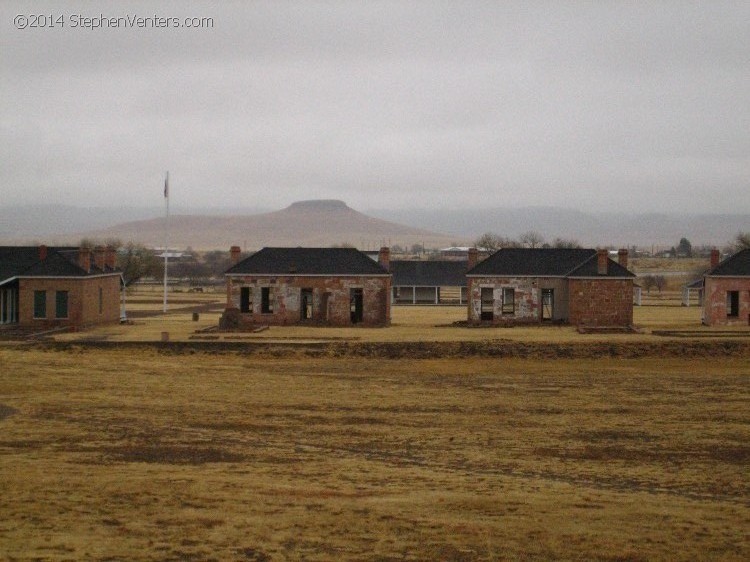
point(604, 105)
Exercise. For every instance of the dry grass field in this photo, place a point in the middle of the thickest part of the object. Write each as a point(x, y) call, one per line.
point(639, 449)
point(157, 455)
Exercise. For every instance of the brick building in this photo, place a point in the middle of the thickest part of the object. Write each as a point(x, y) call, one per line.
point(45, 288)
point(324, 286)
point(527, 286)
point(726, 290)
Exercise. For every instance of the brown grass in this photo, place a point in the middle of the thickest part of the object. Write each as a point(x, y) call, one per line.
point(142, 456)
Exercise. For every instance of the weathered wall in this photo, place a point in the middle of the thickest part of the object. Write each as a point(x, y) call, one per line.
point(715, 301)
point(601, 302)
point(598, 302)
point(527, 299)
point(83, 301)
point(331, 299)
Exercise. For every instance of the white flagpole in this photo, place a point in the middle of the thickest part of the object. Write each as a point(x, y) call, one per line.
point(166, 235)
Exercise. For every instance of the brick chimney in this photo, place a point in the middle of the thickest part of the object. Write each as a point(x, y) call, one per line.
point(715, 258)
point(109, 257)
point(384, 258)
point(42, 252)
point(99, 257)
point(234, 254)
point(84, 259)
point(622, 257)
point(473, 258)
point(602, 256)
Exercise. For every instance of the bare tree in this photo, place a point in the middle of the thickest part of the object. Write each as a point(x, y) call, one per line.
point(531, 239)
point(661, 282)
point(91, 243)
point(742, 241)
point(489, 241)
point(684, 248)
point(114, 243)
point(648, 282)
point(564, 243)
point(136, 261)
point(217, 262)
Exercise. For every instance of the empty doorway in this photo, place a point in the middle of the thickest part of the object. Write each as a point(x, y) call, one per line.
point(356, 305)
point(306, 304)
point(548, 304)
point(487, 298)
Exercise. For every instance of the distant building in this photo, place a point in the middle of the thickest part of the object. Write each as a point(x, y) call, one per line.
point(325, 286)
point(48, 287)
point(726, 290)
point(462, 252)
point(429, 282)
point(527, 286)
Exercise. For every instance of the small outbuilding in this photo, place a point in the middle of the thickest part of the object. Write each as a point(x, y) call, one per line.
point(726, 290)
point(315, 286)
point(583, 287)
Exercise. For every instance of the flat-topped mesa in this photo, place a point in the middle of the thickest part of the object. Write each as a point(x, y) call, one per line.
point(319, 205)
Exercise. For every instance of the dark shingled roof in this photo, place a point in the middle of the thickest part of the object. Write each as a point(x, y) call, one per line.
point(437, 273)
point(307, 261)
point(737, 265)
point(23, 261)
point(546, 262)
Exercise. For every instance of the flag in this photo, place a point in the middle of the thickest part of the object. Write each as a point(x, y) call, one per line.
point(166, 186)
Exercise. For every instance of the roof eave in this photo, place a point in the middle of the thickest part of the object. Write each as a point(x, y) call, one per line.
point(297, 274)
point(603, 277)
point(516, 275)
point(84, 276)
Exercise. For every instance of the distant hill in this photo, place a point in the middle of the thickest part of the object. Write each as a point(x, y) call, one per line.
point(327, 222)
point(305, 223)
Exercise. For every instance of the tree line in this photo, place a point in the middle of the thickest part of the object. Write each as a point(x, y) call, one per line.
point(532, 239)
point(137, 262)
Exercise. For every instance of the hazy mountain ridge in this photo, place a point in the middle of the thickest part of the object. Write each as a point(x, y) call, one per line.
point(590, 229)
point(305, 223)
point(327, 222)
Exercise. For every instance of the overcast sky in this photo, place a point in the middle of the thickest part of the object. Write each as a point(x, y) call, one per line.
point(594, 105)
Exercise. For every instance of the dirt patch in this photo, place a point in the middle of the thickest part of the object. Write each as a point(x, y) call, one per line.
point(200, 308)
point(6, 411)
point(254, 554)
point(172, 454)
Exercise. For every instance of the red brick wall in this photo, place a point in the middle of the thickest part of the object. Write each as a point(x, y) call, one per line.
point(601, 302)
point(287, 306)
point(83, 301)
point(715, 301)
